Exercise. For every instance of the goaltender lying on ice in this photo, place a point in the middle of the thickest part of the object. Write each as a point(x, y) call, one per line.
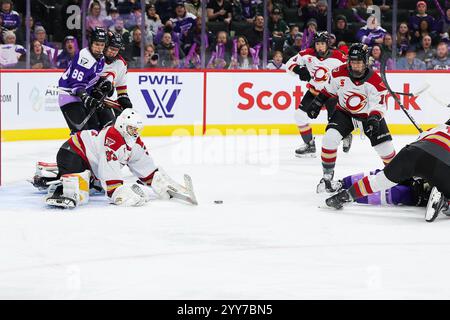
point(95, 159)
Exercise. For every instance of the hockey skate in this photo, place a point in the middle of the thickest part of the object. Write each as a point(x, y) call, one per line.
point(347, 143)
point(337, 201)
point(55, 197)
point(45, 173)
point(437, 203)
point(327, 184)
point(307, 150)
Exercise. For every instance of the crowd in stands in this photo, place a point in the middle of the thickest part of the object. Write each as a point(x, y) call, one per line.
point(172, 35)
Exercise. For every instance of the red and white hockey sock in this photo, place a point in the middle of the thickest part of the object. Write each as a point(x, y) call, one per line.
point(386, 151)
point(370, 184)
point(306, 133)
point(328, 159)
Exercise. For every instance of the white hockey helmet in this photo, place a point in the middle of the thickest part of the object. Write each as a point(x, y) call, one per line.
point(130, 124)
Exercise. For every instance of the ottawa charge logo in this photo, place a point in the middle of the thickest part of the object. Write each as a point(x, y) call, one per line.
point(355, 102)
point(320, 74)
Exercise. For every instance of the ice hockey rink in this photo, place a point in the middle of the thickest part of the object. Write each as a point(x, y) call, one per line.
point(268, 240)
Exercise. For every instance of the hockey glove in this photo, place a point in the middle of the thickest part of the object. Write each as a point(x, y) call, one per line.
point(102, 89)
point(373, 125)
point(124, 102)
point(316, 105)
point(89, 101)
point(302, 72)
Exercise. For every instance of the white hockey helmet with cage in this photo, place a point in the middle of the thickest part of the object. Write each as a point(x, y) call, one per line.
point(130, 124)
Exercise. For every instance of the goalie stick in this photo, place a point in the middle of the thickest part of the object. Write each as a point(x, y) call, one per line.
point(190, 197)
point(394, 95)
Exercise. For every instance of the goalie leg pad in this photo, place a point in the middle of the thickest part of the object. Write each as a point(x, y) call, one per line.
point(71, 192)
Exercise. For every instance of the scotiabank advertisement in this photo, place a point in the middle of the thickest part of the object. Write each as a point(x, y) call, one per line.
point(271, 98)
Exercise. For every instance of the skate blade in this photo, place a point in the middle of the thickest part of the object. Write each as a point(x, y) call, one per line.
point(61, 203)
point(306, 155)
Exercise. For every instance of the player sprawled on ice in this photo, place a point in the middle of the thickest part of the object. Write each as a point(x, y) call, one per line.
point(78, 97)
point(314, 65)
point(102, 155)
point(428, 158)
point(361, 103)
point(115, 72)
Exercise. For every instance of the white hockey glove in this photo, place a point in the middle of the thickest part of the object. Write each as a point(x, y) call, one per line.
point(130, 196)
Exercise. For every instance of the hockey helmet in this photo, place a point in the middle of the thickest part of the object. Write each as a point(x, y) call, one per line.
point(114, 41)
point(98, 35)
point(358, 52)
point(321, 36)
point(129, 124)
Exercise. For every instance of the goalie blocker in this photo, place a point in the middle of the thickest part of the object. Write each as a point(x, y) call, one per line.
point(102, 155)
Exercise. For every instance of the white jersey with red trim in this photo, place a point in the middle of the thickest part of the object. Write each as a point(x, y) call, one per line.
point(319, 68)
point(358, 98)
point(436, 141)
point(106, 152)
point(116, 72)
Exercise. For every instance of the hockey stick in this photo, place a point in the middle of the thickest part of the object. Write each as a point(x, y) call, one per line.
point(397, 100)
point(416, 93)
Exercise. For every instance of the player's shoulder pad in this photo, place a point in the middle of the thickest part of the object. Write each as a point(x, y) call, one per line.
point(307, 52)
point(119, 57)
point(113, 139)
point(341, 71)
point(85, 59)
point(338, 55)
point(376, 81)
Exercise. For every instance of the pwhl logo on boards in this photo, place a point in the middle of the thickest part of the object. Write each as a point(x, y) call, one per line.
point(162, 96)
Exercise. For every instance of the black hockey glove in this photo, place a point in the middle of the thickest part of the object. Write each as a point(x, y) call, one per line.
point(124, 102)
point(302, 72)
point(102, 89)
point(89, 101)
point(372, 125)
point(316, 105)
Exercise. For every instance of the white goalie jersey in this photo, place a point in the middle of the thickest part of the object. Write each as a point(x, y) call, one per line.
point(106, 152)
point(357, 98)
point(116, 73)
point(319, 68)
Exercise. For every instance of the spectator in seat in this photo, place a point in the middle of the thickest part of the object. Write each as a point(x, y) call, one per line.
point(277, 62)
point(105, 7)
point(424, 30)
point(318, 12)
point(70, 49)
point(119, 28)
point(152, 22)
point(133, 50)
point(387, 45)
point(245, 60)
point(41, 35)
point(442, 60)
point(38, 58)
point(134, 18)
point(295, 48)
point(194, 7)
point(290, 38)
point(341, 30)
point(403, 38)
point(151, 58)
point(195, 36)
point(169, 54)
point(94, 19)
point(255, 34)
point(308, 33)
point(443, 24)
point(183, 21)
point(426, 53)
point(10, 18)
point(10, 52)
point(165, 9)
point(219, 10)
point(371, 33)
point(359, 4)
point(221, 53)
point(278, 28)
point(110, 20)
point(168, 27)
point(244, 10)
point(415, 20)
point(410, 62)
point(376, 54)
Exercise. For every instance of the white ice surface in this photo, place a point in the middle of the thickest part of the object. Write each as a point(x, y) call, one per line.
point(268, 240)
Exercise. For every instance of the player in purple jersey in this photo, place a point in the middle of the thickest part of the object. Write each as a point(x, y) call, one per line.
point(80, 82)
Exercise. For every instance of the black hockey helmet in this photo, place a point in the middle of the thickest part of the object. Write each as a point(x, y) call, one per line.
point(448, 122)
point(114, 41)
point(321, 36)
point(358, 52)
point(98, 35)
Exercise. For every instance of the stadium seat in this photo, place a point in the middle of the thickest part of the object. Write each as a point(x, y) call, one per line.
point(240, 28)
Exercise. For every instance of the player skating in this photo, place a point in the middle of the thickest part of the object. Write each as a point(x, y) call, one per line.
point(77, 83)
point(314, 65)
point(361, 98)
point(428, 158)
point(102, 155)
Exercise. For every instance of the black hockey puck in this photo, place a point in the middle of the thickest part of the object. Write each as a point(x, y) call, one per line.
point(218, 201)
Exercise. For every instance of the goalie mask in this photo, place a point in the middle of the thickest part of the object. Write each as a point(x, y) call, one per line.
point(359, 55)
point(129, 124)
